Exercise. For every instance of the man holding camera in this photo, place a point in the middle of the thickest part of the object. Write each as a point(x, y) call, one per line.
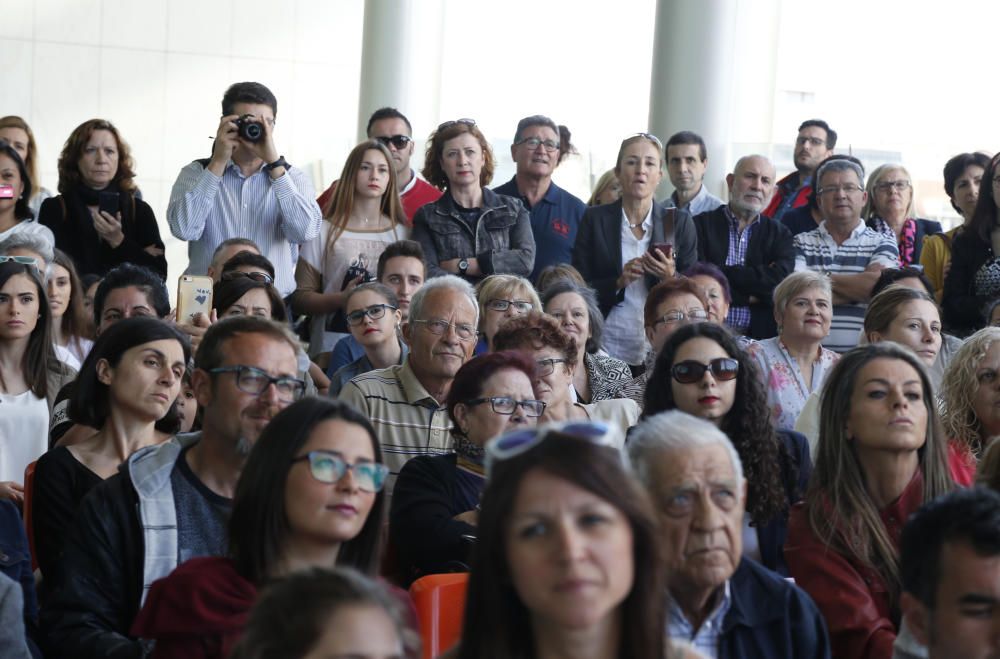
point(246, 190)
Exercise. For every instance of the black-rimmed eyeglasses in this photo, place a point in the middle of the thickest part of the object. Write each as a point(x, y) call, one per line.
point(252, 380)
point(507, 405)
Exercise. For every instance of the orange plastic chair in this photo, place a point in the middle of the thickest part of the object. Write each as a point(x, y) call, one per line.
point(440, 603)
point(29, 487)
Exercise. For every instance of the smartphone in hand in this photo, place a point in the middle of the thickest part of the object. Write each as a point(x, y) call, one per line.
point(108, 202)
point(667, 249)
point(194, 295)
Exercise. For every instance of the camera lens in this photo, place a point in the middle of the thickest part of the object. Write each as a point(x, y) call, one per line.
point(253, 131)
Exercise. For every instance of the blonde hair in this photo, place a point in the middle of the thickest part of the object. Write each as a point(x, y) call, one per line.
point(988, 471)
point(496, 286)
point(607, 178)
point(884, 307)
point(798, 283)
point(870, 212)
point(958, 386)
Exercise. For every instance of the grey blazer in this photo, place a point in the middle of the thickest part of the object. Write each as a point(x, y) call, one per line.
point(597, 253)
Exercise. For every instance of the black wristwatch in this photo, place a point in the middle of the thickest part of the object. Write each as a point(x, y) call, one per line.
point(280, 162)
point(463, 265)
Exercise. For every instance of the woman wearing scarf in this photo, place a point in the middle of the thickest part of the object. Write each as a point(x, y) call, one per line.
point(435, 503)
point(889, 209)
point(97, 218)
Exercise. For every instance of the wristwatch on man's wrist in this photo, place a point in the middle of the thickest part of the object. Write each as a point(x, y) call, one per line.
point(280, 162)
point(463, 265)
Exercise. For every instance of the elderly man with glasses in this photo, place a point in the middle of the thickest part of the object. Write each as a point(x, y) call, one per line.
point(538, 148)
point(844, 248)
point(170, 502)
point(406, 402)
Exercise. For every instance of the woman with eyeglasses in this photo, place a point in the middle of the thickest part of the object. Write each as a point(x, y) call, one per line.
point(702, 370)
point(374, 317)
point(881, 455)
point(889, 209)
point(963, 178)
point(98, 218)
point(795, 364)
point(310, 495)
point(567, 561)
point(555, 353)
point(625, 248)
point(470, 231)
point(501, 297)
point(974, 280)
point(128, 382)
point(363, 217)
point(70, 333)
point(435, 502)
point(30, 374)
point(597, 376)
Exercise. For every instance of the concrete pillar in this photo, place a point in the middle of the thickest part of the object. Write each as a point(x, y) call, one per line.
point(713, 72)
point(401, 56)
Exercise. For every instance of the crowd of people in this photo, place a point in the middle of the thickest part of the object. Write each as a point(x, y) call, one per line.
point(645, 428)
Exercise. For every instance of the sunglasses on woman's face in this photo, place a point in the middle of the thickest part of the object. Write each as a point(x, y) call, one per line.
point(689, 372)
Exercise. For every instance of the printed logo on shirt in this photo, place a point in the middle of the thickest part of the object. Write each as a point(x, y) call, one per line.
point(561, 227)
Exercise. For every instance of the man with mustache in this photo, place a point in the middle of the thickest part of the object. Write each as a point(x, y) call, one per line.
point(722, 602)
point(754, 252)
point(170, 502)
point(406, 402)
point(813, 145)
point(538, 148)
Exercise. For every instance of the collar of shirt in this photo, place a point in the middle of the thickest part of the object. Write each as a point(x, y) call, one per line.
point(855, 232)
point(647, 222)
point(409, 186)
point(734, 222)
point(702, 193)
point(708, 635)
point(415, 392)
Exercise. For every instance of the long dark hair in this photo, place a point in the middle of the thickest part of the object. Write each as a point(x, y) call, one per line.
point(747, 424)
point(74, 323)
point(40, 356)
point(984, 218)
point(497, 624)
point(90, 404)
point(22, 206)
point(258, 525)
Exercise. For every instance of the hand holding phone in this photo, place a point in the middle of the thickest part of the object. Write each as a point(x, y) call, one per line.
point(667, 249)
point(194, 295)
point(108, 202)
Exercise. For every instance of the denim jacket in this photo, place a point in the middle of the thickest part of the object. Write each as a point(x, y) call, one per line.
point(501, 241)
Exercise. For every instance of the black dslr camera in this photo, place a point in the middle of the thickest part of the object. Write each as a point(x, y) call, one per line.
point(250, 129)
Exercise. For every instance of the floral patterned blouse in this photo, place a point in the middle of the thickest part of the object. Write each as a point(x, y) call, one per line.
point(787, 390)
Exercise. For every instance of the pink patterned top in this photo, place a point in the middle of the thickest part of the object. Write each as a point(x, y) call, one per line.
point(787, 390)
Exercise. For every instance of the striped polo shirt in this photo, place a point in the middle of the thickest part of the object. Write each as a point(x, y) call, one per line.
point(408, 421)
point(817, 250)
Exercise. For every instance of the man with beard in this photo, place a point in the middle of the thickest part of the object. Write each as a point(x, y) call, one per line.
point(170, 502)
point(813, 145)
point(754, 252)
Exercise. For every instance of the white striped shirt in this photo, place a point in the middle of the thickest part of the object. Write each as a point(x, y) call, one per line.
point(276, 214)
point(817, 250)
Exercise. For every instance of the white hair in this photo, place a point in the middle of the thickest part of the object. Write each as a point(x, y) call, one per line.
point(671, 431)
point(444, 281)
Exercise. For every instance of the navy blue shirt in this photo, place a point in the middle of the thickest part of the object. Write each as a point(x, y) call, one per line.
point(554, 223)
point(799, 220)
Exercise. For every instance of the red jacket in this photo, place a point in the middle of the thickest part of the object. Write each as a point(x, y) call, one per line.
point(853, 597)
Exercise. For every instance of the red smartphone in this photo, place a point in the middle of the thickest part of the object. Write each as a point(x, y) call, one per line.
point(666, 248)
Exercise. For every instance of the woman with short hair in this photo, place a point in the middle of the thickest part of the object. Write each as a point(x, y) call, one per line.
point(435, 500)
point(881, 455)
point(889, 209)
point(597, 376)
point(501, 297)
point(127, 383)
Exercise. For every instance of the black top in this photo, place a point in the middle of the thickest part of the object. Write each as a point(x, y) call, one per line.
point(961, 306)
point(61, 481)
point(73, 227)
point(429, 493)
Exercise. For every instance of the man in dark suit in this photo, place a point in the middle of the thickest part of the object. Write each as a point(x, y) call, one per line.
point(754, 251)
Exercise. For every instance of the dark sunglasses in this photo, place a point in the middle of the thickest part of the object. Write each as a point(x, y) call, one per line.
point(689, 372)
point(398, 141)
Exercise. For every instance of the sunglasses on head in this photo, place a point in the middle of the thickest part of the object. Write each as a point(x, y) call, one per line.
point(689, 372)
point(449, 124)
point(518, 442)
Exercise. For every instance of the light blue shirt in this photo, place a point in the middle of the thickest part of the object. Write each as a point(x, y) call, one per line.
point(706, 638)
point(703, 202)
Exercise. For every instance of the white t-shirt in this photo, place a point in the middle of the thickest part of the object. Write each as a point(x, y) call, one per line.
point(351, 247)
point(24, 433)
point(73, 353)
